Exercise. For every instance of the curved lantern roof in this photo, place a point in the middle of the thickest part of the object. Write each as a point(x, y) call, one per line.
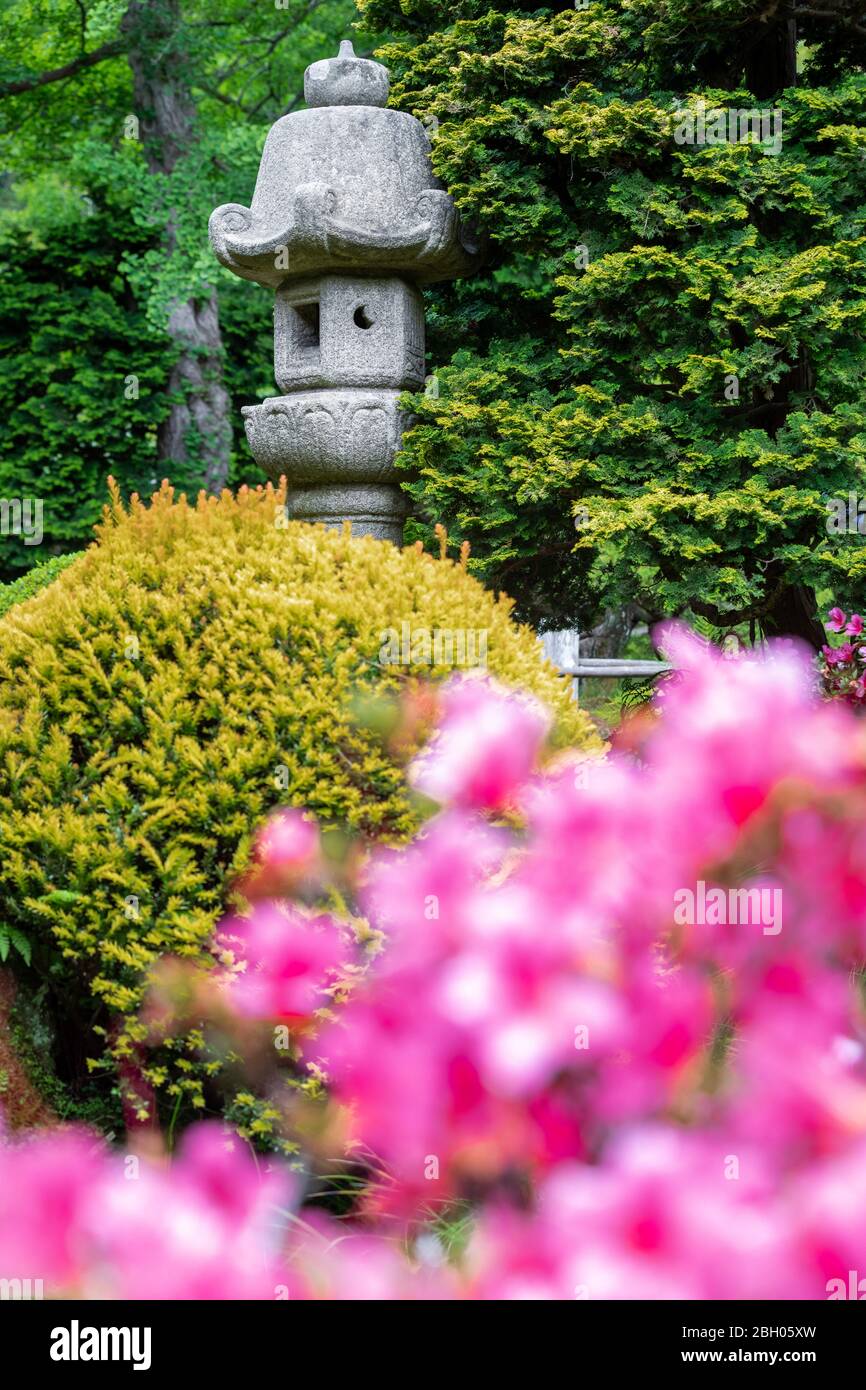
point(345, 185)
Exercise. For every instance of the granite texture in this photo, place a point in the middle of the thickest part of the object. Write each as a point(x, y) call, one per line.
point(374, 509)
point(346, 81)
point(317, 435)
point(344, 187)
point(346, 222)
point(346, 330)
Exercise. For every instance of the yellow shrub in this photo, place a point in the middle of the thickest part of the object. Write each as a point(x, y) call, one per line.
point(189, 672)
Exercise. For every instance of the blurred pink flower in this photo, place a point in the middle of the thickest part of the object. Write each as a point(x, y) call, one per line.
point(289, 840)
point(486, 746)
point(667, 1216)
point(330, 1261)
point(528, 1000)
point(205, 1226)
point(638, 1100)
point(96, 1225)
point(290, 960)
point(45, 1182)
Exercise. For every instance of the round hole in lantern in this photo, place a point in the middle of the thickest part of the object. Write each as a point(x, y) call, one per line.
point(361, 317)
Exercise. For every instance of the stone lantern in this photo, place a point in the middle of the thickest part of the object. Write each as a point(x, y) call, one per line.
point(347, 222)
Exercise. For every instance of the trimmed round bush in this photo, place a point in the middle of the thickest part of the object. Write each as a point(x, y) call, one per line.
point(193, 669)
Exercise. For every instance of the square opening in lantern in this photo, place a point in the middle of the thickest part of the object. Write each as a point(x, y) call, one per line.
point(305, 326)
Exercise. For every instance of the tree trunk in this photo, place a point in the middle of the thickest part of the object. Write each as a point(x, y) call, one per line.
point(205, 409)
point(610, 634)
point(200, 417)
point(771, 64)
point(791, 612)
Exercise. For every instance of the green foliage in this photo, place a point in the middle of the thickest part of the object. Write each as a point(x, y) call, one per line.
point(84, 368)
point(637, 692)
point(80, 376)
point(88, 272)
point(191, 671)
point(32, 582)
point(590, 389)
point(11, 937)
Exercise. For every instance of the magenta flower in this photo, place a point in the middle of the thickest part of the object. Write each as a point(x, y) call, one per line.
point(95, 1225)
point(45, 1183)
point(855, 625)
point(837, 620)
point(290, 839)
point(331, 1261)
point(665, 1217)
point(482, 1040)
point(289, 961)
point(486, 746)
point(629, 1033)
point(204, 1227)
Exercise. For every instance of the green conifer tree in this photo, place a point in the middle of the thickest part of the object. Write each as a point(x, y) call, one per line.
point(656, 387)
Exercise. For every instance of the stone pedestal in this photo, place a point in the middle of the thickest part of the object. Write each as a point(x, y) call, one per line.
point(346, 222)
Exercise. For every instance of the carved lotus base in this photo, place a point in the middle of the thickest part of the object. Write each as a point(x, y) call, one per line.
point(336, 449)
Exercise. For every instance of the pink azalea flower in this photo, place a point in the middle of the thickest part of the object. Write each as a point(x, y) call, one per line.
point(290, 960)
point(207, 1226)
point(640, 1098)
point(421, 895)
point(95, 1225)
point(829, 1198)
point(333, 1262)
point(665, 1217)
point(472, 1011)
point(837, 620)
point(486, 746)
point(45, 1182)
point(855, 625)
point(290, 839)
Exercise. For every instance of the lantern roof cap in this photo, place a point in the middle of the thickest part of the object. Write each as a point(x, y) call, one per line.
point(346, 80)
